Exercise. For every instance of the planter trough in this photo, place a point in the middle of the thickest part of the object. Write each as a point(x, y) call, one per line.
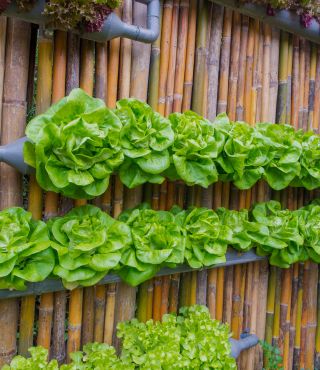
point(113, 26)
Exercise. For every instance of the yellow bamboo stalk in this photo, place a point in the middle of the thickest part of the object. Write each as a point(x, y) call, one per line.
point(43, 101)
point(51, 200)
point(191, 43)
point(165, 53)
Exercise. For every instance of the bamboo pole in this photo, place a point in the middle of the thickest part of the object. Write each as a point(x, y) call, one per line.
point(51, 202)
point(27, 305)
point(214, 59)
point(274, 76)
point(164, 54)
point(191, 43)
point(3, 33)
point(13, 123)
point(154, 76)
point(311, 98)
point(105, 200)
point(316, 108)
point(297, 341)
point(43, 102)
point(182, 44)
point(126, 295)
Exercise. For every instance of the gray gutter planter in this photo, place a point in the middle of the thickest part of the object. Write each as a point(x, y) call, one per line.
point(284, 19)
point(245, 342)
point(113, 26)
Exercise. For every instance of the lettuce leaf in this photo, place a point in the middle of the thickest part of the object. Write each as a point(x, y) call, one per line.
point(25, 252)
point(75, 146)
point(145, 139)
point(89, 243)
point(196, 146)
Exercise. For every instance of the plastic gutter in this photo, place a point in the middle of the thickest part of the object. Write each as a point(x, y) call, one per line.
point(286, 20)
point(55, 285)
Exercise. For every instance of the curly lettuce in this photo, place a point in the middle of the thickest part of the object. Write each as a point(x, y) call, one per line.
point(196, 146)
point(206, 238)
point(157, 240)
point(190, 340)
point(75, 146)
point(145, 139)
point(284, 243)
point(89, 243)
point(25, 252)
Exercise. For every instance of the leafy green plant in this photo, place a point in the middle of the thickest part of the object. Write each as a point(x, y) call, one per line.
point(272, 356)
point(145, 138)
point(191, 340)
point(78, 143)
point(196, 146)
point(37, 361)
point(157, 240)
point(206, 238)
point(25, 253)
point(75, 146)
point(284, 243)
point(88, 243)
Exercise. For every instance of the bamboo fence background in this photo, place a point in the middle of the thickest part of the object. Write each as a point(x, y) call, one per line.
point(208, 59)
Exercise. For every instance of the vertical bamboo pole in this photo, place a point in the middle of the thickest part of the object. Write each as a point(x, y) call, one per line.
point(283, 79)
point(44, 91)
point(101, 92)
point(181, 55)
point(154, 76)
point(274, 75)
point(164, 54)
point(199, 96)
point(214, 59)
point(297, 341)
point(13, 123)
point(191, 44)
point(126, 296)
point(316, 108)
point(293, 312)
point(87, 65)
point(311, 98)
point(3, 33)
point(27, 306)
point(51, 200)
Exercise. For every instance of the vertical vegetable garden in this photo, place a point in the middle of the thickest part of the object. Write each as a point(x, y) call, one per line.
point(169, 203)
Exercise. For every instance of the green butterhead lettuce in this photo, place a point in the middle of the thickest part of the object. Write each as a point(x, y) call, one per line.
point(75, 146)
point(89, 244)
point(284, 244)
point(157, 240)
point(145, 139)
point(196, 146)
point(245, 233)
point(285, 150)
point(206, 238)
point(25, 253)
point(309, 226)
point(310, 162)
point(245, 153)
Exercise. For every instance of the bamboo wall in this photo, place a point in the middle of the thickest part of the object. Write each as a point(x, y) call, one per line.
point(208, 59)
